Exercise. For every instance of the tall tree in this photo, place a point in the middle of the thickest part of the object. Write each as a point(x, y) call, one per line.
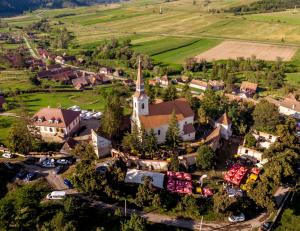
point(170, 93)
point(173, 132)
point(212, 104)
point(145, 193)
point(266, 116)
point(112, 116)
point(205, 157)
point(136, 223)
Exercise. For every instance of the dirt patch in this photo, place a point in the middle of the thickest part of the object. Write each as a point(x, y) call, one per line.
point(235, 49)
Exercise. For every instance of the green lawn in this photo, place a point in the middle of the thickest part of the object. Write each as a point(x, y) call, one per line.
point(178, 55)
point(5, 124)
point(293, 79)
point(88, 99)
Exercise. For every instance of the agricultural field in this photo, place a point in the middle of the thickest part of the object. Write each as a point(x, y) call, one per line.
point(170, 31)
point(235, 49)
point(14, 79)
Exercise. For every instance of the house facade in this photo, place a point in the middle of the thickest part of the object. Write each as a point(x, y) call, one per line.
point(224, 122)
point(102, 146)
point(290, 107)
point(199, 84)
point(56, 124)
point(157, 116)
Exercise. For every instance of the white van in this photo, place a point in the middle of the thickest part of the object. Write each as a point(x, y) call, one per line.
point(56, 195)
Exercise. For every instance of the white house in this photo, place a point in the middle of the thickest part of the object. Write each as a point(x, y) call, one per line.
point(250, 153)
point(199, 84)
point(56, 123)
point(102, 146)
point(158, 116)
point(225, 124)
point(290, 107)
point(264, 139)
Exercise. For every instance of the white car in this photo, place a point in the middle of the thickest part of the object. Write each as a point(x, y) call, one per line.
point(8, 155)
point(236, 218)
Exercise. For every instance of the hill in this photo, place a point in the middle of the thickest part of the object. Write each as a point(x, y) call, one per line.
point(12, 7)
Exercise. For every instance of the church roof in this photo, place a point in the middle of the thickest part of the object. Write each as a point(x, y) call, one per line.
point(160, 114)
point(224, 119)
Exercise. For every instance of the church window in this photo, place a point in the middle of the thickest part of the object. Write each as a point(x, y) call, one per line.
point(143, 106)
point(158, 132)
point(51, 130)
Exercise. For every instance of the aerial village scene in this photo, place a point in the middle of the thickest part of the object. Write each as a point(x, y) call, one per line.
point(108, 124)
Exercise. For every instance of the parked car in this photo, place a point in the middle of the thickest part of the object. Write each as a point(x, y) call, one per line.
point(22, 174)
point(63, 161)
point(8, 155)
point(265, 226)
point(48, 163)
point(102, 169)
point(60, 169)
point(56, 195)
point(234, 192)
point(236, 218)
point(30, 176)
point(68, 183)
point(31, 160)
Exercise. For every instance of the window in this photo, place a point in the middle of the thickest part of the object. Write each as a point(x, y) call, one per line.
point(143, 106)
point(246, 151)
point(158, 132)
point(270, 137)
point(51, 130)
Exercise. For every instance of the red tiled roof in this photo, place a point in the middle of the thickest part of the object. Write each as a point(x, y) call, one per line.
point(161, 113)
point(248, 86)
point(64, 117)
point(291, 103)
point(224, 119)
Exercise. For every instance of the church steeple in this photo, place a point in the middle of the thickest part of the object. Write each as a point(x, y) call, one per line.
point(140, 82)
point(140, 99)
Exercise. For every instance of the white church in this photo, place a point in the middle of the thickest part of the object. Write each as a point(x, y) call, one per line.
point(158, 116)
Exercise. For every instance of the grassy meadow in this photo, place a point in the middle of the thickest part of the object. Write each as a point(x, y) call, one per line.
point(179, 30)
point(5, 124)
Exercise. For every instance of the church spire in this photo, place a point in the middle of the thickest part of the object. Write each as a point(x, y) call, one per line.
point(140, 81)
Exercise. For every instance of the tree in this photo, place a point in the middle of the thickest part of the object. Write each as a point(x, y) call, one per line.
point(150, 91)
point(173, 132)
point(145, 193)
point(5, 106)
point(84, 151)
point(188, 206)
point(261, 193)
point(150, 142)
point(136, 223)
point(250, 140)
point(186, 93)
point(174, 163)
point(7, 213)
point(112, 116)
point(222, 202)
point(212, 105)
point(20, 139)
point(170, 93)
point(266, 116)
point(286, 132)
point(132, 141)
point(86, 179)
point(205, 157)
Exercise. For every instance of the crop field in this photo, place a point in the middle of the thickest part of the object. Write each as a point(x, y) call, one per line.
point(14, 79)
point(170, 31)
point(235, 49)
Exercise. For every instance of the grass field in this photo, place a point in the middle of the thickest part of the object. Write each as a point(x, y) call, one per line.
point(89, 99)
point(5, 124)
point(14, 79)
point(293, 79)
